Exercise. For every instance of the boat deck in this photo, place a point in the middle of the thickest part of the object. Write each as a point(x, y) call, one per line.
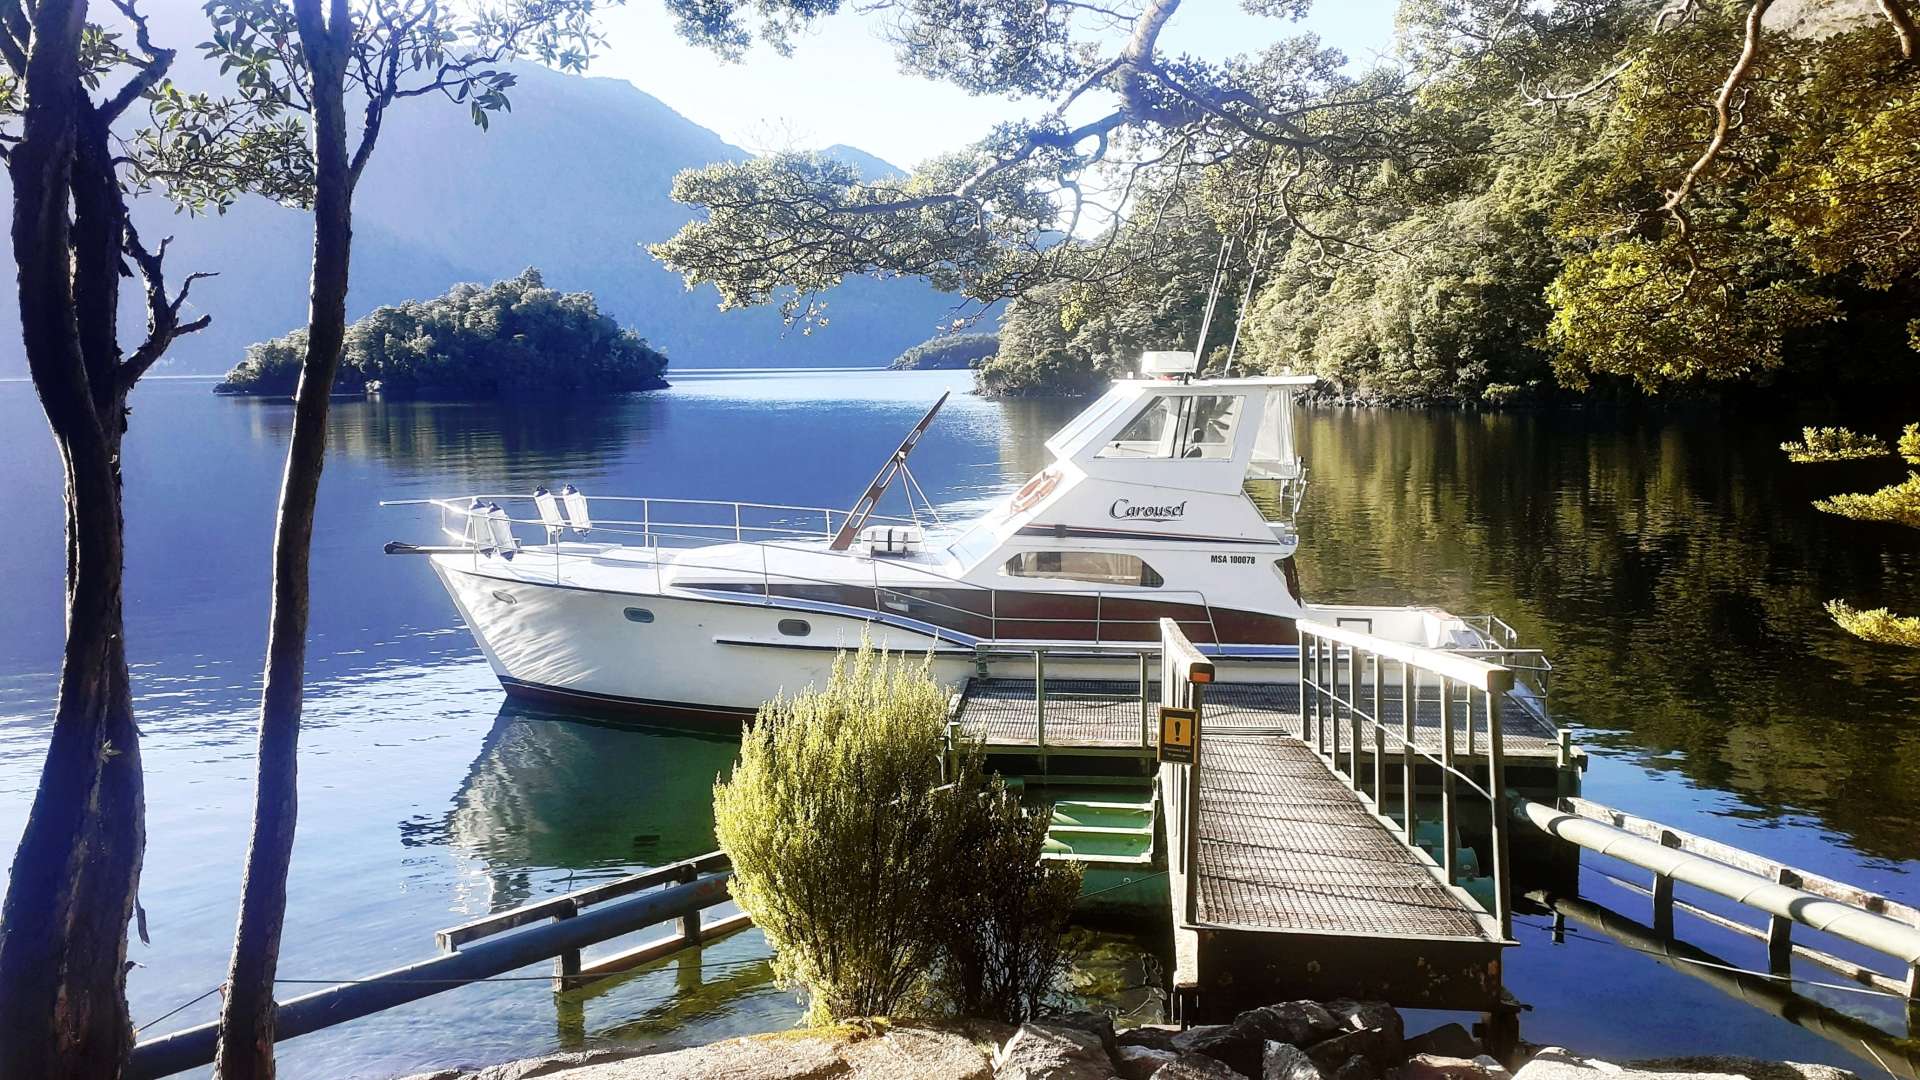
point(1105, 716)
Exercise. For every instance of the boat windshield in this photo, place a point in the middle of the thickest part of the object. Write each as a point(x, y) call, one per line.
point(1273, 456)
point(1186, 426)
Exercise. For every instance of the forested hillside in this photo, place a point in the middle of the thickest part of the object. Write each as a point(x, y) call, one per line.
point(1533, 255)
point(574, 180)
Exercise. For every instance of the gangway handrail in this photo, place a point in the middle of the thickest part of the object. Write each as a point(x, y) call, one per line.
point(1476, 673)
point(1324, 711)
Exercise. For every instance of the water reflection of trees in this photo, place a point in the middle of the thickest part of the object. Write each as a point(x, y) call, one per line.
point(549, 796)
point(481, 439)
point(1672, 568)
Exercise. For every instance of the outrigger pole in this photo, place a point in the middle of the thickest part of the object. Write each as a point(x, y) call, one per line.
point(857, 517)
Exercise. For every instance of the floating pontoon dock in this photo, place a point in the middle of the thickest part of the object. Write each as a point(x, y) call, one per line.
point(1299, 865)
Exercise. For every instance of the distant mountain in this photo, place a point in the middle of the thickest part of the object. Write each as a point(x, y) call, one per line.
point(574, 181)
point(870, 167)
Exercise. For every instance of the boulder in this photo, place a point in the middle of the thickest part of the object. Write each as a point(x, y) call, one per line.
point(1297, 1022)
point(1751, 1068)
point(1450, 1040)
point(840, 1052)
point(1239, 1047)
point(1284, 1061)
point(1443, 1067)
point(1557, 1063)
point(1361, 1015)
point(1160, 1038)
point(1140, 1062)
point(1195, 1067)
point(1046, 1052)
point(1095, 1023)
point(1375, 1044)
point(1356, 1067)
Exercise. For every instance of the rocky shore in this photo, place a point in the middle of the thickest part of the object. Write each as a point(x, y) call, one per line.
point(1296, 1040)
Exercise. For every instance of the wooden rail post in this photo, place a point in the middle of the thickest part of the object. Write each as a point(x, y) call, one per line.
point(1449, 816)
point(689, 922)
point(1408, 686)
point(566, 966)
point(1780, 931)
point(1663, 892)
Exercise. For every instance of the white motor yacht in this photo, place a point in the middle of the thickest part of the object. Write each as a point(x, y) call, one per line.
point(1167, 497)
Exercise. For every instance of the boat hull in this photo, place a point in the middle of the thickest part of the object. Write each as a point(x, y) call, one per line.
point(710, 662)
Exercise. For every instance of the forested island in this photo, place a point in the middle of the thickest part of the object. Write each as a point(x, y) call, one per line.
point(475, 341)
point(949, 352)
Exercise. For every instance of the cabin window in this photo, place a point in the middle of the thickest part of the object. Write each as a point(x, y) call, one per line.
point(1180, 426)
point(1099, 567)
point(638, 614)
point(795, 627)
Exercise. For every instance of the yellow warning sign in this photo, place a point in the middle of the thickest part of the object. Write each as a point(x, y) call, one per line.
point(1179, 728)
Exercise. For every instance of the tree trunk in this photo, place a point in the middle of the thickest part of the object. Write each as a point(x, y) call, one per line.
point(245, 1046)
point(63, 926)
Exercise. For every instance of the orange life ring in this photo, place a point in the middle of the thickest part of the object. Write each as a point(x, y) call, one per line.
point(1035, 489)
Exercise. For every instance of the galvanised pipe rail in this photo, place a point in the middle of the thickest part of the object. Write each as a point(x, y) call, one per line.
point(193, 1047)
point(1324, 711)
point(1844, 921)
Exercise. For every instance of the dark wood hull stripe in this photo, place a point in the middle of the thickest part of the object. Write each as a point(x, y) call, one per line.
point(1079, 533)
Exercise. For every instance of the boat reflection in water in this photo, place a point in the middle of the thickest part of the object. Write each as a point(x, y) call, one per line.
point(554, 797)
point(555, 802)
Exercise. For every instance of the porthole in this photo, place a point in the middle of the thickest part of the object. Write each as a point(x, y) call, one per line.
point(795, 627)
point(505, 598)
point(638, 614)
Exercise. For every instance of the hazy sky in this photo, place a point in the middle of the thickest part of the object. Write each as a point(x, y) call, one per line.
point(842, 86)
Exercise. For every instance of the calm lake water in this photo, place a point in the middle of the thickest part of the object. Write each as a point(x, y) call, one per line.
point(1671, 567)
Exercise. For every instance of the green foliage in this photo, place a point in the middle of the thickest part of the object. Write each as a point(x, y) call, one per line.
point(512, 337)
point(1493, 221)
point(1878, 625)
point(1822, 444)
point(205, 149)
point(1809, 209)
point(1003, 950)
point(1071, 337)
point(1898, 504)
point(880, 889)
point(948, 352)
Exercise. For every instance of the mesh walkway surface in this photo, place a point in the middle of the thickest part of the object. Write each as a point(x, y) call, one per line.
point(1105, 713)
point(1285, 846)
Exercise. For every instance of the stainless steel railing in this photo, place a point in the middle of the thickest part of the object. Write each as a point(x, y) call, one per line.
point(655, 537)
point(1333, 708)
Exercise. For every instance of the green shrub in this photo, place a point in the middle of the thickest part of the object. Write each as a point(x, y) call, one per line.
point(1003, 951)
point(882, 889)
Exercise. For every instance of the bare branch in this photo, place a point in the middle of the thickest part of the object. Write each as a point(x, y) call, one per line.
point(1723, 109)
point(163, 311)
